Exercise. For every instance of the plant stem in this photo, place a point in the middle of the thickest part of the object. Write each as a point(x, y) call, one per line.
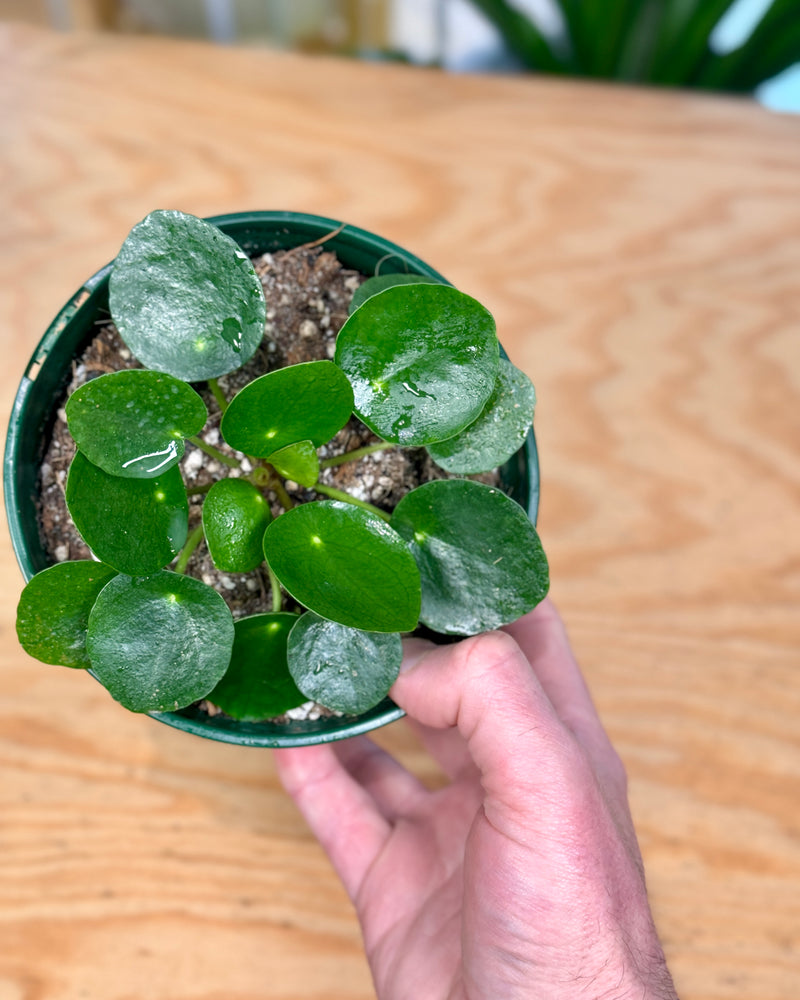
point(209, 449)
point(194, 539)
point(218, 394)
point(266, 478)
point(275, 587)
point(193, 491)
point(334, 494)
point(352, 456)
point(280, 492)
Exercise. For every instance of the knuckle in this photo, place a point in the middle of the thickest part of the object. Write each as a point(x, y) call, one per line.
point(574, 770)
point(484, 652)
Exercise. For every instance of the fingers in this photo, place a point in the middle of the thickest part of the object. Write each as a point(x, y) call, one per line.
point(485, 688)
point(350, 794)
point(394, 790)
point(543, 641)
point(447, 746)
point(542, 638)
point(342, 814)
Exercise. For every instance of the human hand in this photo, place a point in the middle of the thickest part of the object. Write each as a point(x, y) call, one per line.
point(522, 878)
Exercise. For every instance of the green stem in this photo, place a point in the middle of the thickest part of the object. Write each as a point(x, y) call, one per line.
point(194, 539)
point(275, 587)
point(280, 492)
point(334, 494)
point(266, 478)
point(218, 394)
point(193, 491)
point(352, 456)
point(213, 452)
point(261, 476)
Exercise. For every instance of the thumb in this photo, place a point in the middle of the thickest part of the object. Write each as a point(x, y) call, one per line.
point(486, 689)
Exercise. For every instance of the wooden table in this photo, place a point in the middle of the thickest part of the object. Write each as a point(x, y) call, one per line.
point(641, 252)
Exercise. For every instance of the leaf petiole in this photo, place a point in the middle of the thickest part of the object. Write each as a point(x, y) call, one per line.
point(275, 587)
point(194, 491)
point(280, 492)
point(334, 494)
point(352, 456)
point(216, 391)
point(212, 452)
point(194, 539)
point(265, 477)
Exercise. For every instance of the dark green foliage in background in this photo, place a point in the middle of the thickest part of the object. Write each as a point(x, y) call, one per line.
point(652, 41)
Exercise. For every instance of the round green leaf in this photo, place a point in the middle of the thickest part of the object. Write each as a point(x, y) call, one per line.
point(132, 423)
point(298, 462)
point(135, 525)
point(159, 643)
point(235, 517)
point(343, 668)
point(380, 282)
point(480, 558)
point(422, 360)
point(497, 433)
point(185, 297)
point(345, 564)
point(257, 685)
point(307, 402)
point(53, 611)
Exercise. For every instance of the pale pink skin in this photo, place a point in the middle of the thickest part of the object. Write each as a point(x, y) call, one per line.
point(522, 877)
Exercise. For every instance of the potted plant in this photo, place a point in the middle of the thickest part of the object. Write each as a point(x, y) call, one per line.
point(418, 364)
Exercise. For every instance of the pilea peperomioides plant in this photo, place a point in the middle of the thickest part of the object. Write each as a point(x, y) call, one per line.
point(417, 361)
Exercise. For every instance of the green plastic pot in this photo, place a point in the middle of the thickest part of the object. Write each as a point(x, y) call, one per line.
point(48, 374)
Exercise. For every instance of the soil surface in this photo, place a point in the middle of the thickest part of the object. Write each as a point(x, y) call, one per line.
point(307, 292)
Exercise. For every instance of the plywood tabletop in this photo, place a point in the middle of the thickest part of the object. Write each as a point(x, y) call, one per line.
point(641, 253)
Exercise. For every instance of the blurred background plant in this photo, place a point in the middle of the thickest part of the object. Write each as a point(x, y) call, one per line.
point(668, 42)
point(740, 46)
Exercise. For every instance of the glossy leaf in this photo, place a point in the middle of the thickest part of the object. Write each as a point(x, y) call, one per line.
point(133, 423)
point(298, 462)
point(135, 525)
point(380, 282)
point(307, 402)
point(53, 611)
point(185, 297)
point(498, 432)
point(480, 558)
point(235, 517)
point(343, 668)
point(159, 643)
point(257, 685)
point(345, 564)
point(422, 360)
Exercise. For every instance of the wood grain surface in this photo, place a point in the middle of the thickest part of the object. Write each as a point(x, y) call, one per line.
point(641, 252)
